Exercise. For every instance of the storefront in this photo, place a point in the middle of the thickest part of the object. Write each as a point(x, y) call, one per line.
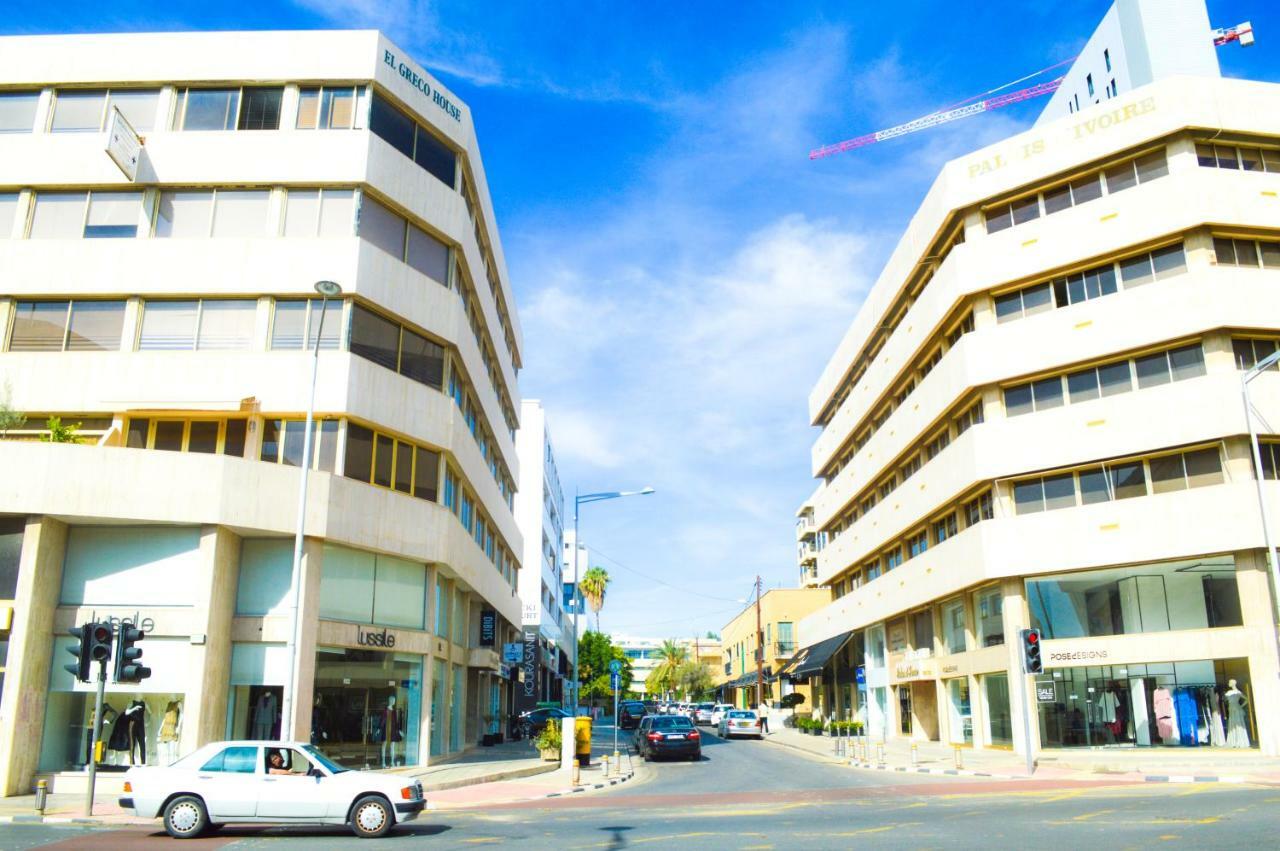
point(367, 706)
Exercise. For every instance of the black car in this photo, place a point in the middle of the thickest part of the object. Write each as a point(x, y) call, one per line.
point(668, 735)
point(629, 714)
point(531, 723)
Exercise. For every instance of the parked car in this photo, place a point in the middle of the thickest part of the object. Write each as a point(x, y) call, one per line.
point(741, 722)
point(701, 713)
point(718, 712)
point(257, 782)
point(629, 714)
point(530, 723)
point(667, 735)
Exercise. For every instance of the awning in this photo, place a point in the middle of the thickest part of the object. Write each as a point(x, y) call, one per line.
point(812, 659)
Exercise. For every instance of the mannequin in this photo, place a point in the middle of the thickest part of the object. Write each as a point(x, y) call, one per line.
point(390, 731)
point(319, 722)
point(170, 731)
point(264, 716)
point(1237, 728)
point(129, 735)
point(108, 714)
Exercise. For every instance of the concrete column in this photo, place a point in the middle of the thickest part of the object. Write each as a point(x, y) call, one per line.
point(1256, 609)
point(309, 617)
point(1021, 693)
point(425, 720)
point(206, 701)
point(44, 545)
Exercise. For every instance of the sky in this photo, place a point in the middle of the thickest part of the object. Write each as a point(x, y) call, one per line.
point(682, 270)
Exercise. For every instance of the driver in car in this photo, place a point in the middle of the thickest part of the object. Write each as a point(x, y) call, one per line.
point(275, 764)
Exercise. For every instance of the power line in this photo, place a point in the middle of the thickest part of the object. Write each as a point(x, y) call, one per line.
point(674, 620)
point(609, 558)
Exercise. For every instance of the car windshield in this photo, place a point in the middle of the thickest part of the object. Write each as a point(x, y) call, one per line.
point(742, 715)
point(328, 764)
point(672, 723)
point(707, 706)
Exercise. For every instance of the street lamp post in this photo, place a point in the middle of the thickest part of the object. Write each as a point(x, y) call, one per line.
point(1273, 562)
point(578, 501)
point(327, 290)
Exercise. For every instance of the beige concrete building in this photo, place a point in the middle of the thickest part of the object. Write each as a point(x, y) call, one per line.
point(752, 655)
point(170, 317)
point(1036, 421)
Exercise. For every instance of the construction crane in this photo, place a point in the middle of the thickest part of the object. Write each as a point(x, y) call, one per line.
point(1242, 33)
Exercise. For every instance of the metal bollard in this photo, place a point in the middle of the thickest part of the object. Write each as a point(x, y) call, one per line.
point(915, 754)
point(880, 753)
point(959, 758)
point(577, 773)
point(605, 763)
point(42, 795)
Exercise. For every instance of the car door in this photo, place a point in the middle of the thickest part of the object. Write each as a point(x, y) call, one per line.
point(294, 796)
point(228, 783)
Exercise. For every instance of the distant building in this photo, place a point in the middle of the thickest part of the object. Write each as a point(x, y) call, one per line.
point(644, 655)
point(750, 658)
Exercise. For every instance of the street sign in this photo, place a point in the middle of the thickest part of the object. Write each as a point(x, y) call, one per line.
point(512, 653)
point(860, 675)
point(124, 145)
point(488, 627)
point(1046, 691)
point(615, 666)
point(615, 682)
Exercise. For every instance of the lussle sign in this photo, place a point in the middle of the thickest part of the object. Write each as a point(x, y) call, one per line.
point(419, 82)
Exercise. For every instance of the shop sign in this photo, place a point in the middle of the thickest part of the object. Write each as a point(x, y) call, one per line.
point(512, 653)
point(488, 627)
point(530, 613)
point(529, 663)
point(913, 670)
point(136, 619)
point(1067, 656)
point(1046, 691)
point(375, 639)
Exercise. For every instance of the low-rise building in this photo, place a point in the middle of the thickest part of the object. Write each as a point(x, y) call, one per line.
point(752, 659)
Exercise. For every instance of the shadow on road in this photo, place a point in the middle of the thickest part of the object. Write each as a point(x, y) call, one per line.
point(617, 840)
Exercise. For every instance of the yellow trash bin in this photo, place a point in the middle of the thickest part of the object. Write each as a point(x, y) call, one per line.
point(582, 739)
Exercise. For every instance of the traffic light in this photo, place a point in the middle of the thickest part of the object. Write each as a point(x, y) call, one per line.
point(1031, 661)
point(127, 668)
point(80, 668)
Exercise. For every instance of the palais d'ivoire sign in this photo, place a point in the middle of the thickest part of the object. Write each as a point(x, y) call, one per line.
point(420, 83)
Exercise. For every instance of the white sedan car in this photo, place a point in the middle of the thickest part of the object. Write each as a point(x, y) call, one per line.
point(268, 783)
point(741, 722)
point(718, 713)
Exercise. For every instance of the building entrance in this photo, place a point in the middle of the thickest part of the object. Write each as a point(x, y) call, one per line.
point(367, 706)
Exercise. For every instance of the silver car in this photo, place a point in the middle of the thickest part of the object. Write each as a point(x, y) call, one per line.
point(741, 722)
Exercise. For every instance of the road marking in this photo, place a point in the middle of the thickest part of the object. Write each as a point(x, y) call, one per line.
point(483, 839)
point(1087, 816)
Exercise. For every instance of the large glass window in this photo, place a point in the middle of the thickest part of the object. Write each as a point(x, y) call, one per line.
point(416, 142)
point(204, 324)
point(329, 108)
point(284, 442)
point(374, 337)
point(18, 111)
point(53, 326)
point(320, 212)
point(207, 109)
point(113, 215)
point(260, 109)
point(988, 609)
point(999, 719)
point(374, 589)
point(299, 319)
point(1193, 594)
point(368, 706)
point(59, 215)
point(953, 626)
point(382, 228)
point(240, 213)
point(138, 106)
point(78, 111)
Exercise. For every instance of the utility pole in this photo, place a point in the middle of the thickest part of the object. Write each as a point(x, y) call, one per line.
point(759, 653)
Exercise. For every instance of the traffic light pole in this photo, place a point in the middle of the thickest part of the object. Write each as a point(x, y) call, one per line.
point(97, 734)
point(1026, 721)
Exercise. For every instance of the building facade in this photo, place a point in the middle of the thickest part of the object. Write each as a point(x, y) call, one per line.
point(1036, 421)
point(171, 318)
point(751, 657)
point(646, 654)
point(540, 516)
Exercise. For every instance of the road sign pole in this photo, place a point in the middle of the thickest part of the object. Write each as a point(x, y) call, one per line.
point(616, 683)
point(1026, 715)
point(97, 735)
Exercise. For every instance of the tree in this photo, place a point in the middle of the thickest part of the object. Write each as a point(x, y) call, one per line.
point(714, 636)
point(694, 679)
point(593, 584)
point(59, 433)
point(662, 679)
point(9, 418)
point(595, 651)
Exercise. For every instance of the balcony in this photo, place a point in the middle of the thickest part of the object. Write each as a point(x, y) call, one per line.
point(782, 649)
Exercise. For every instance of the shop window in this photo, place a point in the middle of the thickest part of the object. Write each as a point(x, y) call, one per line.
point(330, 108)
point(988, 607)
point(129, 565)
point(295, 320)
point(1126, 601)
point(953, 626)
point(366, 707)
point(78, 326)
point(328, 213)
point(18, 111)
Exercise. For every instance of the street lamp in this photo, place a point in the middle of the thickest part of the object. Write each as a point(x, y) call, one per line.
point(578, 501)
point(327, 290)
point(1272, 559)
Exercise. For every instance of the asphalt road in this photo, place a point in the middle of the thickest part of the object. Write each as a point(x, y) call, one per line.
point(759, 795)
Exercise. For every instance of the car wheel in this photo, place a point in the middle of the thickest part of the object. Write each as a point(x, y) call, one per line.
point(185, 817)
point(371, 817)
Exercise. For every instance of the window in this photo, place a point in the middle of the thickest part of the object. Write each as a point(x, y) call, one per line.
point(1173, 365)
point(971, 417)
point(892, 558)
point(922, 631)
point(260, 109)
point(979, 509)
point(1036, 395)
point(78, 326)
point(1027, 302)
point(1095, 382)
point(329, 108)
point(1088, 80)
point(1106, 57)
point(296, 319)
point(1117, 178)
point(18, 111)
point(8, 213)
point(72, 215)
point(381, 341)
point(113, 215)
point(1246, 252)
point(404, 241)
point(1236, 158)
point(953, 626)
point(204, 324)
point(251, 108)
point(381, 227)
point(200, 436)
point(382, 460)
point(284, 442)
point(943, 528)
point(358, 460)
point(1250, 352)
point(1184, 470)
point(988, 608)
point(428, 255)
point(319, 212)
point(236, 760)
point(59, 215)
point(240, 213)
point(1084, 286)
point(1044, 494)
point(138, 106)
point(426, 474)
point(78, 111)
point(917, 544)
point(416, 142)
point(234, 213)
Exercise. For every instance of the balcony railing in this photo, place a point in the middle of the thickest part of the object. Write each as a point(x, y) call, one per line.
point(783, 649)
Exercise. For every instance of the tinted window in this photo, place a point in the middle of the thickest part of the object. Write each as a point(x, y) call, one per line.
point(374, 338)
point(392, 125)
point(260, 109)
point(435, 157)
point(672, 722)
point(239, 760)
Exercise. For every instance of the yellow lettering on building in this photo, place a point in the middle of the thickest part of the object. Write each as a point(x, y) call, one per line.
point(1109, 119)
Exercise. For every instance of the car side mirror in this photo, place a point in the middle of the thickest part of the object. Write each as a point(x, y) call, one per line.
point(315, 772)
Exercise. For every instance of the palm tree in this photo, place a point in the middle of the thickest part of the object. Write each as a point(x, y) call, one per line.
point(593, 584)
point(662, 679)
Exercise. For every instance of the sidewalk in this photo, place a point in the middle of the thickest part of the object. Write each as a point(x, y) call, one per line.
point(1129, 764)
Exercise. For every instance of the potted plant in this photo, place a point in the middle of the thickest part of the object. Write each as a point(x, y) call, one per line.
point(548, 741)
point(489, 739)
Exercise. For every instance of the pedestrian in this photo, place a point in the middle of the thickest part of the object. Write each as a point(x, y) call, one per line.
point(764, 719)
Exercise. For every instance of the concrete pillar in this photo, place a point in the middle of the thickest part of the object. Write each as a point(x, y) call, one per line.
point(22, 711)
point(1021, 692)
point(206, 701)
point(1258, 614)
point(309, 618)
point(425, 720)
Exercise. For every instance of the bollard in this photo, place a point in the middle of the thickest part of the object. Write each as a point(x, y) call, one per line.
point(42, 795)
point(959, 758)
point(915, 754)
point(605, 763)
point(617, 764)
point(880, 753)
point(577, 772)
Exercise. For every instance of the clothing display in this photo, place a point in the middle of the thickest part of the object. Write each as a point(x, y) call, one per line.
point(264, 716)
point(129, 735)
point(169, 724)
point(1166, 723)
point(108, 714)
point(1237, 723)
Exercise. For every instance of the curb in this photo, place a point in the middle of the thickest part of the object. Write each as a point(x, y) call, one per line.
point(1193, 778)
point(496, 777)
point(34, 819)
point(560, 793)
point(586, 788)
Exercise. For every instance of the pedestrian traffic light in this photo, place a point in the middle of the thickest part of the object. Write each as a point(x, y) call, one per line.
point(127, 668)
point(80, 649)
point(1031, 661)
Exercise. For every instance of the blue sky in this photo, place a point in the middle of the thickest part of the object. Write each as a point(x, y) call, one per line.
point(682, 270)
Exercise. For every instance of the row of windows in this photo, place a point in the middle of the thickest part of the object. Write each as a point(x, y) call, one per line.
point(1236, 158)
point(230, 324)
point(1108, 379)
point(1119, 480)
point(898, 395)
point(1250, 253)
point(1096, 282)
point(1081, 190)
point(955, 519)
